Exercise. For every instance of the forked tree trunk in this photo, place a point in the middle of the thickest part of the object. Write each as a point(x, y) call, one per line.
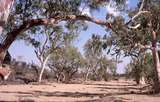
point(59, 78)
point(43, 67)
point(142, 80)
point(156, 80)
point(66, 77)
point(87, 74)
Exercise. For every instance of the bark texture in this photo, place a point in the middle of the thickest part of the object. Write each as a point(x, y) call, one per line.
point(156, 85)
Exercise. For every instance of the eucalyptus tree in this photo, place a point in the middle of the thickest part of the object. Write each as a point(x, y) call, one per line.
point(138, 35)
point(93, 50)
point(43, 50)
point(140, 69)
point(96, 60)
point(43, 53)
point(131, 37)
point(106, 68)
point(135, 69)
point(66, 63)
point(54, 39)
point(31, 15)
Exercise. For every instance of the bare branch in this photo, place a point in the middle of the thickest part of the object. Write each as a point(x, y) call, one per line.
point(140, 12)
point(137, 15)
point(44, 46)
point(142, 5)
point(143, 46)
point(38, 56)
point(135, 27)
point(36, 52)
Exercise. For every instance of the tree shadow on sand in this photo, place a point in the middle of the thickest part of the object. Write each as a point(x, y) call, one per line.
point(105, 94)
point(131, 88)
point(109, 97)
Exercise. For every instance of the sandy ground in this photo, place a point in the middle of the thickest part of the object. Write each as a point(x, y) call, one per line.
point(114, 91)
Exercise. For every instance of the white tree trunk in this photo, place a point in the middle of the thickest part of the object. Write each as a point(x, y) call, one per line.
point(158, 64)
point(156, 78)
point(87, 74)
point(142, 80)
point(43, 67)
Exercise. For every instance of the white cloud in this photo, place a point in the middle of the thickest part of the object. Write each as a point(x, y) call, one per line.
point(111, 9)
point(127, 2)
point(85, 11)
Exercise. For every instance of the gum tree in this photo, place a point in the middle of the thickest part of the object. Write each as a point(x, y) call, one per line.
point(130, 37)
point(138, 35)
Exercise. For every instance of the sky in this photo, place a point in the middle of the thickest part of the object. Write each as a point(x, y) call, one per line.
point(22, 52)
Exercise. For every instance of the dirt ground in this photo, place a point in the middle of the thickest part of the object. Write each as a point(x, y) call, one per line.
point(113, 91)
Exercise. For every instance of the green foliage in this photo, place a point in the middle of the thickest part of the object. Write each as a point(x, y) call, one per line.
point(107, 68)
point(124, 40)
point(66, 62)
point(141, 67)
point(93, 46)
point(62, 7)
point(24, 10)
point(101, 67)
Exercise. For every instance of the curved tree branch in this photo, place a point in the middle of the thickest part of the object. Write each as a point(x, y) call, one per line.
point(11, 36)
point(140, 12)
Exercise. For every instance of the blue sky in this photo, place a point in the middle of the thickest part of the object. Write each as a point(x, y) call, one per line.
point(19, 48)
